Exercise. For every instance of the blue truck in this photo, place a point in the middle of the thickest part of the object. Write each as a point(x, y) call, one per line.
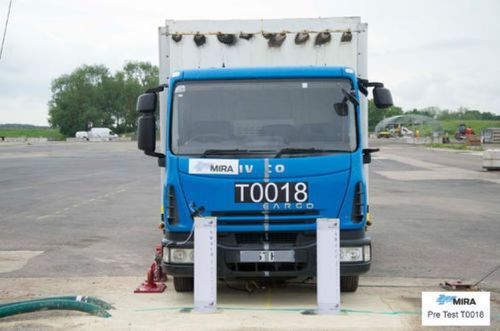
point(263, 125)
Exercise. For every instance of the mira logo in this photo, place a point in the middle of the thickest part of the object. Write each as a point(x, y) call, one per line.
point(221, 168)
point(442, 299)
point(213, 167)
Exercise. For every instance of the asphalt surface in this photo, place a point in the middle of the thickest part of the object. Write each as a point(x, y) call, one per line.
point(445, 226)
point(92, 209)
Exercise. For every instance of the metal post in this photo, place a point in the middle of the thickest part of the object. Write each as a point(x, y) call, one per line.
point(205, 264)
point(328, 265)
point(164, 60)
point(362, 72)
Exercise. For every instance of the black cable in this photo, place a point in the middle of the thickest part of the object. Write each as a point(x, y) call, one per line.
point(5, 29)
point(397, 286)
point(487, 275)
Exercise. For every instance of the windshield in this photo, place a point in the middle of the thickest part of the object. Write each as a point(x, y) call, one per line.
point(262, 117)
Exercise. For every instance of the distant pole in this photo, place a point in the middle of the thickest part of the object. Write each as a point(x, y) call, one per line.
point(5, 28)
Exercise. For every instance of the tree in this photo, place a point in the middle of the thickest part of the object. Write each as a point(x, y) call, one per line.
point(136, 78)
point(91, 97)
point(77, 100)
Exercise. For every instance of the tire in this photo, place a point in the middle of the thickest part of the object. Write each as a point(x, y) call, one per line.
point(183, 284)
point(349, 283)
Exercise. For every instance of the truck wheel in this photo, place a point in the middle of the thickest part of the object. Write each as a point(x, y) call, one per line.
point(183, 284)
point(349, 283)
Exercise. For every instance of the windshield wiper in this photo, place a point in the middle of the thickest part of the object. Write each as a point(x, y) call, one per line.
point(311, 150)
point(232, 151)
point(223, 152)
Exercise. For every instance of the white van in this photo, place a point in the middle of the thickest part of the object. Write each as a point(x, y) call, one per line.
point(101, 134)
point(82, 135)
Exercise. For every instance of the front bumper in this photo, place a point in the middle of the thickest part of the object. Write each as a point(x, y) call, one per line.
point(303, 244)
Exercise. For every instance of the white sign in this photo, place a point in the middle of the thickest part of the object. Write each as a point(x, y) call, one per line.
point(205, 264)
point(213, 166)
point(456, 308)
point(328, 265)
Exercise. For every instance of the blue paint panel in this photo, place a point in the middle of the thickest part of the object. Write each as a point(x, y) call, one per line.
point(332, 179)
point(295, 166)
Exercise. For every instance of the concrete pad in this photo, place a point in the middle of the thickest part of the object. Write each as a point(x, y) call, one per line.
point(431, 171)
point(380, 303)
point(15, 260)
point(266, 308)
point(491, 159)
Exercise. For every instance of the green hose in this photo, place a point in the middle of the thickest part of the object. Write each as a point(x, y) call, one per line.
point(95, 301)
point(51, 304)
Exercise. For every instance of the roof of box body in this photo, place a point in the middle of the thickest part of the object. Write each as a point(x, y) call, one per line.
point(265, 72)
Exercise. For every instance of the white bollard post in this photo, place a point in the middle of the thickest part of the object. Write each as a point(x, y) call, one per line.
point(205, 264)
point(328, 265)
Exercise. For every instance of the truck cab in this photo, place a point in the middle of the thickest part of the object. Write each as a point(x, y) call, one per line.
point(266, 150)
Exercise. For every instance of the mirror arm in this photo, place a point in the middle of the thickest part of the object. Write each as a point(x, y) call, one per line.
point(374, 84)
point(363, 90)
point(364, 84)
point(157, 89)
point(161, 158)
point(367, 154)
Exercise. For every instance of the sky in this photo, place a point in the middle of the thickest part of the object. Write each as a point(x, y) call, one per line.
point(439, 53)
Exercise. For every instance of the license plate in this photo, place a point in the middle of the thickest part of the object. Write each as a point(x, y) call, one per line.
point(272, 192)
point(267, 256)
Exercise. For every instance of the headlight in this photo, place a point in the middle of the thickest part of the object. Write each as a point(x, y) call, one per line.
point(351, 254)
point(181, 255)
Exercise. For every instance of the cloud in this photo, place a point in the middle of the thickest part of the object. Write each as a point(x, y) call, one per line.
point(441, 53)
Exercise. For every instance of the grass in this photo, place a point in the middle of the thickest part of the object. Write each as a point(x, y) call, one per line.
point(52, 134)
point(129, 134)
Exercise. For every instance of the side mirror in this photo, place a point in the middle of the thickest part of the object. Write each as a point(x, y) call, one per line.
point(382, 97)
point(146, 126)
point(146, 103)
point(341, 108)
point(146, 133)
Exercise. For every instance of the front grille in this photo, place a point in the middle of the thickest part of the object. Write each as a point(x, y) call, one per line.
point(271, 267)
point(270, 221)
point(261, 217)
point(272, 237)
point(172, 215)
point(357, 203)
point(261, 213)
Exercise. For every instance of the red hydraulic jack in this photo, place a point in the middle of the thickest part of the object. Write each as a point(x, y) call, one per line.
point(154, 276)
